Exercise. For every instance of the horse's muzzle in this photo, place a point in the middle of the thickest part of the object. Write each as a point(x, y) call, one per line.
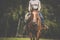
point(34, 24)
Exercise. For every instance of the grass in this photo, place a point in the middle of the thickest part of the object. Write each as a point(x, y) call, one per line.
point(14, 38)
point(23, 39)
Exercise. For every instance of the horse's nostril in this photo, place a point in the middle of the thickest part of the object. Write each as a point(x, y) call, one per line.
point(34, 22)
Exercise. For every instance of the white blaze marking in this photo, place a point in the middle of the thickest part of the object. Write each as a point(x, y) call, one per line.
point(34, 19)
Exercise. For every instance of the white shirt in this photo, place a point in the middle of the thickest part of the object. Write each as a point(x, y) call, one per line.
point(33, 2)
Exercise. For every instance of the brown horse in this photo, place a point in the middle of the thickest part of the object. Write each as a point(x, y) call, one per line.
point(34, 25)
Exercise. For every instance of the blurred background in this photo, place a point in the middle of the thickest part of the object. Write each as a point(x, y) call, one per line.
point(12, 14)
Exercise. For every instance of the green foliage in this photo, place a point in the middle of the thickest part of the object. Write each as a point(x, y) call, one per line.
point(21, 10)
point(47, 15)
point(15, 15)
point(50, 21)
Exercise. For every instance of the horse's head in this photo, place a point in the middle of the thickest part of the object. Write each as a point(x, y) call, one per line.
point(34, 16)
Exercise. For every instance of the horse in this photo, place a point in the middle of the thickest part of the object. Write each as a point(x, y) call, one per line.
point(34, 25)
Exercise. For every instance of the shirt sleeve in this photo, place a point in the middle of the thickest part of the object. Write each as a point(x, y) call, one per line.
point(39, 7)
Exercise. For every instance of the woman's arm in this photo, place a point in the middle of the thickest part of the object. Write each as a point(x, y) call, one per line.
point(29, 7)
point(39, 6)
